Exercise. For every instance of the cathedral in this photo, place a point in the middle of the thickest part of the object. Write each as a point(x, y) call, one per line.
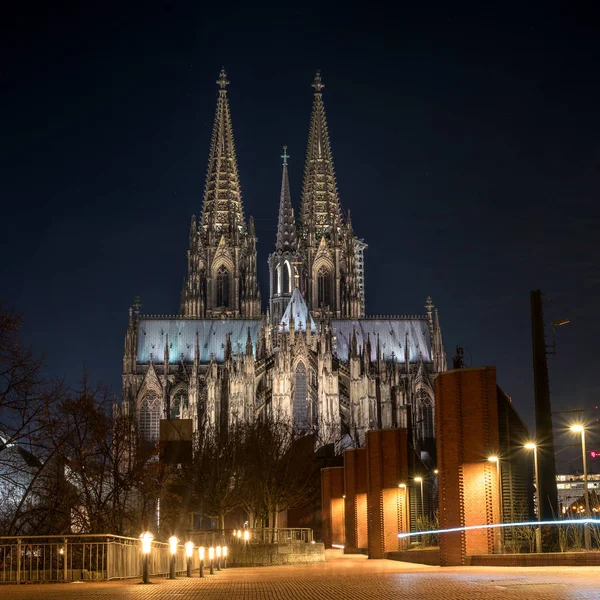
point(314, 358)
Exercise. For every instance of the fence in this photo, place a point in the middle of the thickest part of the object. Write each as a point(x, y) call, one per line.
point(83, 558)
point(263, 535)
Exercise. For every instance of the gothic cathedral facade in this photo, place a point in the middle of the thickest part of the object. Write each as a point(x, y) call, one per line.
point(314, 358)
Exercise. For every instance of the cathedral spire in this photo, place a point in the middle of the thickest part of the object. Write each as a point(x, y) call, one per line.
point(222, 207)
point(320, 207)
point(286, 226)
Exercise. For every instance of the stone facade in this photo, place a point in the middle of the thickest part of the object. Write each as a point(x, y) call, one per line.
point(313, 358)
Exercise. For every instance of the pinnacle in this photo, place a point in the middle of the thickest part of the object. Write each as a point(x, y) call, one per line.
point(286, 225)
point(222, 81)
point(317, 83)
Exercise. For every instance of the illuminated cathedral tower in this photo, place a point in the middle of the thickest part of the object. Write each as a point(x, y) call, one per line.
point(333, 276)
point(221, 278)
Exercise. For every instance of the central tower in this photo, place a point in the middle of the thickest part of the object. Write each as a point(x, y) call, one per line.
point(221, 280)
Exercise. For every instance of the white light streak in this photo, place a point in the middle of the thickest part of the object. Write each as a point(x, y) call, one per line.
point(496, 525)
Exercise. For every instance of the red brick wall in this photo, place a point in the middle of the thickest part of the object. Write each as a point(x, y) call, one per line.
point(467, 434)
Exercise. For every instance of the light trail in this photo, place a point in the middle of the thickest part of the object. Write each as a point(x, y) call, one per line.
point(496, 525)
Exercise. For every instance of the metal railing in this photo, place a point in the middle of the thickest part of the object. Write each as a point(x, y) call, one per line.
point(83, 558)
point(262, 535)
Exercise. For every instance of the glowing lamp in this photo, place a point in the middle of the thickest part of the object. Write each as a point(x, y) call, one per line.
point(593, 454)
point(493, 459)
point(218, 551)
point(224, 551)
point(189, 549)
point(211, 553)
point(418, 479)
point(246, 535)
point(201, 552)
point(173, 541)
point(576, 428)
point(435, 471)
point(530, 446)
point(146, 539)
point(239, 533)
point(402, 485)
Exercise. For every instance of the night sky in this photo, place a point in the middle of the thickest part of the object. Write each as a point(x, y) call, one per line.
point(466, 145)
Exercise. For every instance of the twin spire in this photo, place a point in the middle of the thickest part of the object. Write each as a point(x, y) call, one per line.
point(320, 204)
point(222, 209)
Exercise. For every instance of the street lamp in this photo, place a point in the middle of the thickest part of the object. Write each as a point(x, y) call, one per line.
point(224, 557)
point(173, 541)
point(496, 459)
point(146, 539)
point(211, 558)
point(586, 530)
point(218, 558)
point(246, 536)
point(538, 531)
point(201, 556)
point(189, 552)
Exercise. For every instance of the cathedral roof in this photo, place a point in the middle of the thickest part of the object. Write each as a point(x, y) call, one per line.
point(286, 225)
point(300, 311)
point(222, 208)
point(392, 337)
point(320, 202)
point(212, 338)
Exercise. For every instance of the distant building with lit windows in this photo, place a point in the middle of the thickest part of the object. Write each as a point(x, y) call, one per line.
point(313, 357)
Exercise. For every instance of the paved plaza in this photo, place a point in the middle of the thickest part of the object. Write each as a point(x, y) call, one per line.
point(343, 577)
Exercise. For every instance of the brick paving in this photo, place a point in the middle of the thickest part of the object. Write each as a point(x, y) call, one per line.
point(343, 577)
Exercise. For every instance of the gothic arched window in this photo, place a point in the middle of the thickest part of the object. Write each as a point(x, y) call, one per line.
point(222, 287)
point(178, 403)
point(301, 397)
point(149, 417)
point(425, 425)
point(287, 277)
point(323, 288)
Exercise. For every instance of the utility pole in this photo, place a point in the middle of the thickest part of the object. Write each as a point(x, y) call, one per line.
point(548, 495)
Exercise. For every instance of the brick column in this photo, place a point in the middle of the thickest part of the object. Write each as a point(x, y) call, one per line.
point(332, 505)
point(387, 467)
point(467, 434)
point(355, 479)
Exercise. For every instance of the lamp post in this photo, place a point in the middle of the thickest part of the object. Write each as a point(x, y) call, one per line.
point(224, 557)
point(496, 459)
point(246, 536)
point(211, 558)
point(405, 513)
point(146, 539)
point(173, 541)
point(218, 558)
point(201, 556)
point(538, 531)
point(189, 552)
point(586, 495)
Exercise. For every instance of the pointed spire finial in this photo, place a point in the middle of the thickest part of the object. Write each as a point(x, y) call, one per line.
point(317, 83)
point(285, 156)
point(222, 82)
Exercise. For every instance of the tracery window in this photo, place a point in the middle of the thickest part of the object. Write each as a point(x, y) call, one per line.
point(425, 424)
point(323, 287)
point(149, 417)
point(287, 278)
point(222, 287)
point(301, 397)
point(178, 403)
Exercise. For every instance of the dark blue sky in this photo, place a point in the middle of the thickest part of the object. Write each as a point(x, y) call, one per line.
point(466, 144)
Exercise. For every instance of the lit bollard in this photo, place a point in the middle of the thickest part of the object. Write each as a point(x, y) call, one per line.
point(218, 558)
point(224, 550)
point(201, 556)
point(189, 552)
point(146, 539)
point(211, 558)
point(173, 541)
